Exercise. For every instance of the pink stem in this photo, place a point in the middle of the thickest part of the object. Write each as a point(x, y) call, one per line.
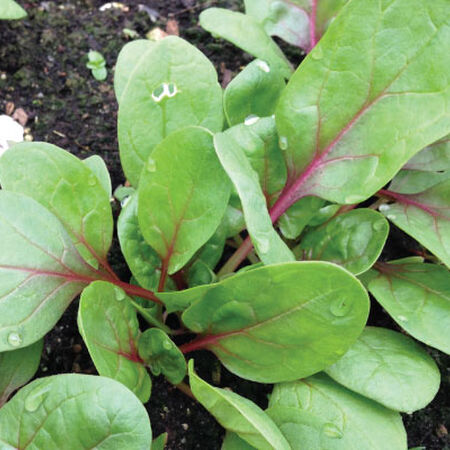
point(312, 25)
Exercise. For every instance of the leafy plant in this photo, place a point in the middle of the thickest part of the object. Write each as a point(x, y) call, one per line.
point(97, 64)
point(11, 10)
point(311, 159)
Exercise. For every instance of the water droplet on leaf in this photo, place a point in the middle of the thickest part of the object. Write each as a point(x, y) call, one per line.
point(317, 53)
point(263, 66)
point(14, 339)
point(283, 142)
point(391, 216)
point(340, 307)
point(151, 165)
point(167, 345)
point(332, 431)
point(92, 181)
point(250, 120)
point(120, 294)
point(352, 199)
point(36, 397)
point(402, 318)
point(384, 207)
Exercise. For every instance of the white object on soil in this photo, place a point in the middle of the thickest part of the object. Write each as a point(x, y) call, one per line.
point(10, 131)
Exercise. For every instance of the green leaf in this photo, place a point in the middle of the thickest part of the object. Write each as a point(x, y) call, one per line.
point(345, 155)
point(389, 368)
point(233, 442)
point(109, 326)
point(183, 195)
point(181, 300)
point(142, 260)
point(237, 414)
point(280, 322)
point(253, 92)
point(93, 412)
point(295, 219)
point(40, 271)
point(160, 442)
point(246, 33)
point(335, 419)
point(10, 10)
point(268, 244)
point(97, 165)
point(131, 57)
point(417, 297)
point(183, 91)
point(17, 367)
point(427, 168)
point(287, 19)
point(353, 240)
point(201, 271)
point(100, 74)
point(68, 189)
point(424, 216)
point(162, 356)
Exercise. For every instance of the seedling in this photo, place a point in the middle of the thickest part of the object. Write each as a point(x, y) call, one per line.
point(302, 168)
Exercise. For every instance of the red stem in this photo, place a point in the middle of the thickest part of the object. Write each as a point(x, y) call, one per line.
point(131, 289)
point(312, 26)
point(163, 276)
point(199, 343)
point(406, 200)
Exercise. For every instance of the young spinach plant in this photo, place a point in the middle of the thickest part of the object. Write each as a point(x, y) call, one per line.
point(361, 125)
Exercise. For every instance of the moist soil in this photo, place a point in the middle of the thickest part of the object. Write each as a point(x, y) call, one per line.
point(43, 71)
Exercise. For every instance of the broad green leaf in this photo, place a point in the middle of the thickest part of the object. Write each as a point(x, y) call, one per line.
point(10, 10)
point(371, 60)
point(253, 92)
point(268, 244)
point(246, 33)
point(427, 168)
point(98, 166)
point(287, 19)
point(233, 442)
point(162, 356)
point(75, 412)
point(280, 322)
point(424, 216)
point(183, 91)
point(353, 240)
point(327, 10)
point(417, 297)
point(237, 414)
point(67, 188)
point(142, 260)
point(389, 368)
point(324, 214)
point(160, 442)
point(181, 300)
point(295, 219)
point(109, 326)
point(233, 221)
point(338, 419)
point(17, 368)
point(258, 140)
point(41, 272)
point(182, 196)
point(201, 271)
point(132, 56)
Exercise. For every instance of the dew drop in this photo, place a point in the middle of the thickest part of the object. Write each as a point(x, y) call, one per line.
point(251, 119)
point(402, 318)
point(125, 200)
point(384, 207)
point(263, 66)
point(391, 216)
point(151, 165)
point(283, 142)
point(332, 431)
point(317, 53)
point(378, 225)
point(36, 397)
point(340, 307)
point(14, 339)
point(167, 345)
point(120, 294)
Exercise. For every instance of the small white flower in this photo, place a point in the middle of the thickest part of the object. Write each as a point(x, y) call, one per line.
point(10, 131)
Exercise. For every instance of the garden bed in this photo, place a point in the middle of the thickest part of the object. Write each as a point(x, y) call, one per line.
point(43, 71)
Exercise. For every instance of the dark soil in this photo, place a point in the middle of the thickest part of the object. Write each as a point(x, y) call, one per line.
point(42, 70)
